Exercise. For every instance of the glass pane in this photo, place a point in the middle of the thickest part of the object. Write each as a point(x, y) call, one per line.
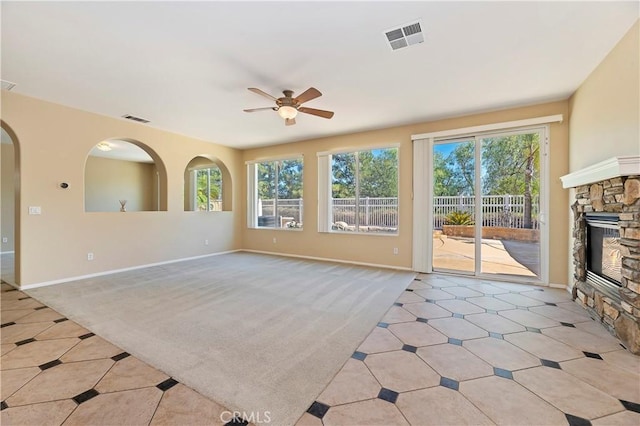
point(215, 189)
point(343, 192)
point(378, 190)
point(510, 205)
point(290, 194)
point(454, 206)
point(266, 194)
point(201, 189)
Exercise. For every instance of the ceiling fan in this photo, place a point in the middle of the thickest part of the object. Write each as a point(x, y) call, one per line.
point(288, 106)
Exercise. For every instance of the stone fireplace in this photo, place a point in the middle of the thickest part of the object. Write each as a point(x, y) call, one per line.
point(606, 251)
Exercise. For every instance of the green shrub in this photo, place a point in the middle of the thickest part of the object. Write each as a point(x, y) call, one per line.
point(459, 218)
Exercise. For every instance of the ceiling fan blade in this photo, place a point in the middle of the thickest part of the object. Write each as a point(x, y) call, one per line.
point(289, 121)
point(260, 92)
point(319, 112)
point(259, 109)
point(310, 93)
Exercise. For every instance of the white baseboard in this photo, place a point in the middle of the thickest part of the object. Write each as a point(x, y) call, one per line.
point(326, 259)
point(113, 271)
point(564, 286)
point(7, 252)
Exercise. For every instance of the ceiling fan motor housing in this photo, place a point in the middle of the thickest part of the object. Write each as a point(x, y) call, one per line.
point(287, 100)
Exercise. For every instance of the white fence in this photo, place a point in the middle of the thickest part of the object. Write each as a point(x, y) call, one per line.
point(497, 210)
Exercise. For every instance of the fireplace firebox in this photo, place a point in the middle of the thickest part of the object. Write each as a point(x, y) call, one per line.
point(604, 252)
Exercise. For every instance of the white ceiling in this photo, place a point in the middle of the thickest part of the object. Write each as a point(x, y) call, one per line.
point(187, 66)
point(122, 150)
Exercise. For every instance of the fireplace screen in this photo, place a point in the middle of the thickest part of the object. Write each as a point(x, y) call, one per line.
point(604, 252)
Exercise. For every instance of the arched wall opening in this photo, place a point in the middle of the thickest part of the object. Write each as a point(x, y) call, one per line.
point(123, 174)
point(10, 205)
point(207, 185)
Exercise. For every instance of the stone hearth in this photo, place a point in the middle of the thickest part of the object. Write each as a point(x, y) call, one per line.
point(618, 310)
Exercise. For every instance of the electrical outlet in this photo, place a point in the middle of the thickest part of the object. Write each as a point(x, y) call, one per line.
point(5, 240)
point(274, 240)
point(395, 250)
point(206, 242)
point(89, 256)
point(35, 210)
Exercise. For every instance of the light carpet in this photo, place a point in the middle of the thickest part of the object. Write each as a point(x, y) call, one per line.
point(253, 332)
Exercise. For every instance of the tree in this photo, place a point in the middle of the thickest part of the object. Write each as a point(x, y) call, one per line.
point(378, 173)
point(343, 168)
point(511, 166)
point(290, 179)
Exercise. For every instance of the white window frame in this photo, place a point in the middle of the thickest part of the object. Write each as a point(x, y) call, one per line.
point(193, 177)
point(325, 192)
point(252, 191)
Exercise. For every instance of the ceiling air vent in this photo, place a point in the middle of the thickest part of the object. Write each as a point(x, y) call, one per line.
point(7, 85)
point(134, 118)
point(404, 36)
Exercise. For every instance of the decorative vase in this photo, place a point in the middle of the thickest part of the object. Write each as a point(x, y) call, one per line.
point(122, 205)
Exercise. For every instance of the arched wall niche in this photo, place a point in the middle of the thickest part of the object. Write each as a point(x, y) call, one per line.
point(10, 222)
point(124, 171)
point(218, 195)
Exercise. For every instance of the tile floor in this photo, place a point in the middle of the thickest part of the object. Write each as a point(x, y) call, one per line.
point(54, 372)
point(455, 351)
point(450, 351)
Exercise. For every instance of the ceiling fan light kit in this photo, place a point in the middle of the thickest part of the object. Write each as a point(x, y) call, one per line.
point(288, 106)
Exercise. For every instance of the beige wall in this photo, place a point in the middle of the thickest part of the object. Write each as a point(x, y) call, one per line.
point(7, 223)
point(377, 249)
point(604, 113)
point(107, 181)
point(54, 143)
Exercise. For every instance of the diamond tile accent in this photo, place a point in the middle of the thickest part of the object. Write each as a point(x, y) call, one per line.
point(631, 406)
point(424, 320)
point(495, 335)
point(383, 325)
point(50, 364)
point(86, 336)
point(409, 348)
point(533, 330)
point(549, 363)
point(577, 421)
point(3, 405)
point(167, 384)
point(118, 357)
point(85, 396)
point(454, 341)
point(591, 355)
point(502, 373)
point(318, 409)
point(360, 356)
point(61, 320)
point(7, 324)
point(388, 395)
point(567, 324)
point(24, 342)
point(449, 383)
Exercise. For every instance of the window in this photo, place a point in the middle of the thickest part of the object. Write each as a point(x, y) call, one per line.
point(363, 192)
point(207, 189)
point(275, 191)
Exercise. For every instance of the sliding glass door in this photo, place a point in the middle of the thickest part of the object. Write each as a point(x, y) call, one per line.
point(486, 204)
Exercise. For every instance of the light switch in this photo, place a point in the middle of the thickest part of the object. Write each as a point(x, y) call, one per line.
point(35, 210)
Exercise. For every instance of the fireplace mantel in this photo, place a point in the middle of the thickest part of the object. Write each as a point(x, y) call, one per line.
point(628, 165)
